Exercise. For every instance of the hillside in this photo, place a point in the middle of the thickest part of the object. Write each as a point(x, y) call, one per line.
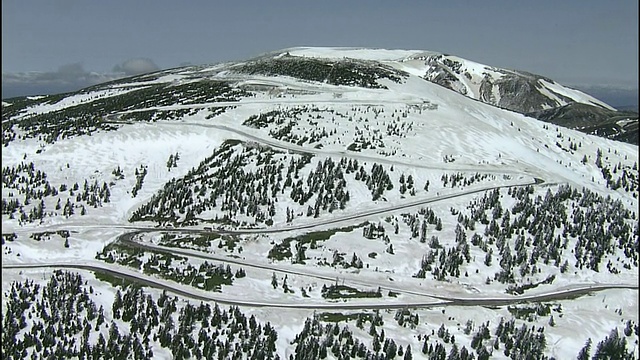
point(514, 90)
point(526, 93)
point(314, 203)
point(615, 125)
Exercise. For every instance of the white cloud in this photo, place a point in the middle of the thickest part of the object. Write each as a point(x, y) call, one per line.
point(69, 77)
point(136, 66)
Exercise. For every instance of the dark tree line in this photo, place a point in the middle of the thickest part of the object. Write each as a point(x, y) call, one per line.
point(207, 276)
point(84, 118)
point(342, 72)
point(224, 183)
point(65, 322)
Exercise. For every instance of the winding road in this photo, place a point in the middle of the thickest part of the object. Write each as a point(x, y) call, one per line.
point(293, 148)
point(354, 305)
point(431, 300)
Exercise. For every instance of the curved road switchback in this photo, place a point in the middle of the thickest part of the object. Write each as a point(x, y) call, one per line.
point(352, 278)
point(128, 238)
point(217, 297)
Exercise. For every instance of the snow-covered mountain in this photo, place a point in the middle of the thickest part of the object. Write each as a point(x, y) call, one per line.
point(317, 191)
point(514, 90)
point(616, 125)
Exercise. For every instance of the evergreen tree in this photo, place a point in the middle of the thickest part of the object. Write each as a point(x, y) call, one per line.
point(584, 352)
point(407, 353)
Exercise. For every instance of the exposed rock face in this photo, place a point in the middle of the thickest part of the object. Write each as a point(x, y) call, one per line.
point(532, 95)
point(517, 91)
point(524, 94)
point(615, 125)
point(486, 90)
point(445, 72)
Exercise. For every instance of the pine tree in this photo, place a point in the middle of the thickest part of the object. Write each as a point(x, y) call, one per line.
point(117, 304)
point(372, 329)
point(628, 329)
point(584, 352)
point(390, 249)
point(407, 353)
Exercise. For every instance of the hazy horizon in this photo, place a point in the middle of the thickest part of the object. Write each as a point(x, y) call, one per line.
point(52, 47)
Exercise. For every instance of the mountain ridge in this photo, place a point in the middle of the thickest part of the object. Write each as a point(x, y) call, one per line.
point(515, 90)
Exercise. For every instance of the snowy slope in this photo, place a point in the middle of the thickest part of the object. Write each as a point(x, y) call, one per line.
point(510, 89)
point(501, 87)
point(267, 150)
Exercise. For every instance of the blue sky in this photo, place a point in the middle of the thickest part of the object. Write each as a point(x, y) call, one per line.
point(72, 42)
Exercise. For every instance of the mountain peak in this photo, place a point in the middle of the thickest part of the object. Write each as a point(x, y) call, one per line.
point(360, 53)
point(514, 90)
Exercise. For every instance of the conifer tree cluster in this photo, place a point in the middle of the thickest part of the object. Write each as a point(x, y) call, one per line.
point(377, 182)
point(273, 117)
point(140, 174)
point(322, 341)
point(27, 185)
point(460, 179)
point(62, 320)
point(419, 222)
point(341, 72)
point(520, 342)
point(81, 119)
point(63, 323)
point(173, 161)
point(373, 231)
point(221, 182)
point(158, 115)
point(327, 183)
point(568, 227)
point(621, 176)
point(404, 318)
point(226, 186)
point(540, 228)
point(207, 275)
point(613, 346)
